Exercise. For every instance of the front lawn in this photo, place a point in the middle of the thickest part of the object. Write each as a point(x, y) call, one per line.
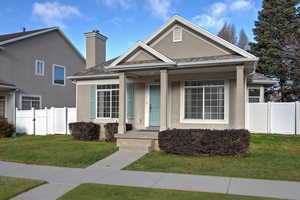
point(10, 187)
point(272, 157)
point(109, 192)
point(57, 150)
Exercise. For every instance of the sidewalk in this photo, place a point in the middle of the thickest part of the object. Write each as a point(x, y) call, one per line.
point(62, 180)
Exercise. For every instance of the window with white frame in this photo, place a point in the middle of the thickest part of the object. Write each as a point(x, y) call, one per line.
point(254, 94)
point(29, 102)
point(204, 100)
point(177, 34)
point(39, 68)
point(2, 107)
point(108, 101)
point(58, 75)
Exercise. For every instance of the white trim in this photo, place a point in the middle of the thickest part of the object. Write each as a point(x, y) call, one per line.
point(36, 67)
point(98, 82)
point(30, 95)
point(180, 33)
point(142, 66)
point(264, 81)
point(7, 86)
point(42, 32)
point(201, 31)
point(200, 121)
point(224, 61)
point(53, 75)
point(93, 76)
point(146, 48)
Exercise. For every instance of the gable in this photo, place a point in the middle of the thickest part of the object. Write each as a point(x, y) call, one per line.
point(191, 45)
point(140, 55)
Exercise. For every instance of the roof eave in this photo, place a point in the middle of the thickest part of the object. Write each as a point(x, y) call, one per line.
point(92, 76)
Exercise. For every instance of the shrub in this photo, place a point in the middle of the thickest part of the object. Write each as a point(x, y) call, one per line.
point(87, 131)
point(111, 129)
point(6, 129)
point(204, 142)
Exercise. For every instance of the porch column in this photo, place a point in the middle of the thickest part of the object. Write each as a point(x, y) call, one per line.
point(163, 99)
point(122, 103)
point(240, 98)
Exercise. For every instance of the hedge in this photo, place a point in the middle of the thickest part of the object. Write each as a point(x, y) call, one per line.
point(87, 131)
point(6, 129)
point(111, 129)
point(205, 142)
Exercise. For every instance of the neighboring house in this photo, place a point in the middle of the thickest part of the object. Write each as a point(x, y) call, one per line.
point(180, 77)
point(33, 69)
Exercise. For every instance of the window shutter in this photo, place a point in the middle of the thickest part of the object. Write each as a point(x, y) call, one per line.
point(93, 101)
point(130, 96)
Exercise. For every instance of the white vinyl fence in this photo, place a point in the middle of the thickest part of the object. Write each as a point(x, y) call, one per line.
point(280, 118)
point(45, 121)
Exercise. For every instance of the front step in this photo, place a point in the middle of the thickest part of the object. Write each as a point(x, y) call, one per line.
point(137, 141)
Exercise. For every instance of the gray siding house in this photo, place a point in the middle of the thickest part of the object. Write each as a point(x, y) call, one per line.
point(33, 70)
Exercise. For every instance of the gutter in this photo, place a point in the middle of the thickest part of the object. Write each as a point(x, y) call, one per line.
point(141, 66)
point(93, 76)
point(7, 86)
point(271, 82)
point(212, 62)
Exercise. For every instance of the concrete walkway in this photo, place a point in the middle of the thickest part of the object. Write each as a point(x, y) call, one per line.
point(61, 180)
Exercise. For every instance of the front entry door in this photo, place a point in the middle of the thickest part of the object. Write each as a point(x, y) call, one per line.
point(154, 109)
point(2, 107)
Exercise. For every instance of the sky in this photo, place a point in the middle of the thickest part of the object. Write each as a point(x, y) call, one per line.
point(124, 22)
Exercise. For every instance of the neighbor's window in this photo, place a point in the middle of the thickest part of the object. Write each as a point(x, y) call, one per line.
point(58, 75)
point(2, 107)
point(39, 68)
point(204, 100)
point(254, 95)
point(177, 34)
point(108, 101)
point(29, 102)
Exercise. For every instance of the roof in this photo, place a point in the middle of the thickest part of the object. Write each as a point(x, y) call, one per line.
point(14, 37)
point(6, 85)
point(258, 78)
point(19, 34)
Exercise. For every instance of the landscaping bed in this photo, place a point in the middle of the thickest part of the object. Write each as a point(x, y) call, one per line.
point(273, 157)
point(109, 192)
point(10, 187)
point(56, 150)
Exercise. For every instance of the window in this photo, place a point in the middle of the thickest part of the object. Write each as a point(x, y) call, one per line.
point(177, 34)
point(58, 75)
point(29, 102)
point(108, 101)
point(2, 107)
point(204, 100)
point(39, 68)
point(254, 95)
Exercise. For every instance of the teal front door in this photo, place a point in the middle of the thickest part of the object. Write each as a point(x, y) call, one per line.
point(154, 109)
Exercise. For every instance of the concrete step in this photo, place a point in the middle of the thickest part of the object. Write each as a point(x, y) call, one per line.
point(132, 144)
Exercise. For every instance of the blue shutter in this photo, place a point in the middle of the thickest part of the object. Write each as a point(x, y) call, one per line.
point(93, 101)
point(130, 96)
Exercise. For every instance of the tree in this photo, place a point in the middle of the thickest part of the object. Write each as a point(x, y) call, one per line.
point(277, 21)
point(243, 40)
point(228, 33)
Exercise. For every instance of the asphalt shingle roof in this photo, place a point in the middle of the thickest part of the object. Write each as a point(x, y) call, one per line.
point(19, 34)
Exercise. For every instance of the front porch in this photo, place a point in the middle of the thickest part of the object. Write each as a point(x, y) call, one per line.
point(7, 102)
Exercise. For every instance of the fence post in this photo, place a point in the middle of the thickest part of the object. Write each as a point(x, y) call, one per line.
point(33, 120)
point(53, 119)
point(66, 118)
point(269, 117)
point(297, 117)
point(46, 119)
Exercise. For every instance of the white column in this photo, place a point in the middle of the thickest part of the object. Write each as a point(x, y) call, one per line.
point(163, 99)
point(262, 94)
point(240, 98)
point(122, 103)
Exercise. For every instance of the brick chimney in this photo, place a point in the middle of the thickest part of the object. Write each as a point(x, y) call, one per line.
point(95, 48)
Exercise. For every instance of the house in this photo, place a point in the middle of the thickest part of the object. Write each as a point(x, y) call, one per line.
point(33, 69)
point(180, 77)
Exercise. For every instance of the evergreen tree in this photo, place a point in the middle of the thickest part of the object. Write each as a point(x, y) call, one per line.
point(228, 33)
point(243, 40)
point(277, 21)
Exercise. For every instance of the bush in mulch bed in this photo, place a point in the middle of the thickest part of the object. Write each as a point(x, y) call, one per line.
point(205, 142)
point(87, 131)
point(6, 129)
point(111, 129)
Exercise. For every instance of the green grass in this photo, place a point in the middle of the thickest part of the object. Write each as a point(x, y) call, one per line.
point(272, 157)
point(57, 150)
point(109, 192)
point(10, 187)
